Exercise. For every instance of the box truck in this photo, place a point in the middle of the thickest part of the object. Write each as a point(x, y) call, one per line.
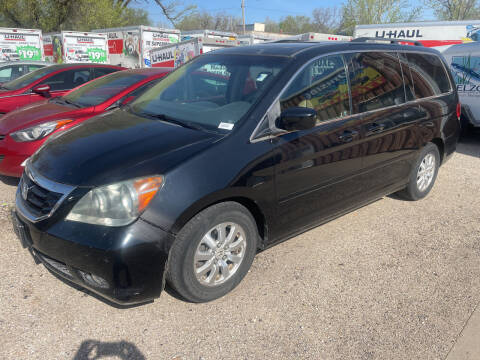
point(175, 55)
point(20, 44)
point(431, 33)
point(76, 47)
point(130, 46)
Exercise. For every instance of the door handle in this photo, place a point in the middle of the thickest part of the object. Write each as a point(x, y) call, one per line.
point(375, 128)
point(348, 135)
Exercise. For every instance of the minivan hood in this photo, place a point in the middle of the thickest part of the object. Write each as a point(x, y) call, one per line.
point(30, 115)
point(117, 146)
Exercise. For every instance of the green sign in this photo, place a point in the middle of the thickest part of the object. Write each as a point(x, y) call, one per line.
point(29, 53)
point(97, 55)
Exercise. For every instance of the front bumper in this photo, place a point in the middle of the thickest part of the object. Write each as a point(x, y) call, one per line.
point(14, 154)
point(123, 265)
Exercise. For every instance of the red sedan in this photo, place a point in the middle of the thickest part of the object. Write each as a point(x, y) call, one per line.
point(23, 131)
point(47, 82)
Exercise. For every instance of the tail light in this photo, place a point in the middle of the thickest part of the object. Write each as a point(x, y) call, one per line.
point(459, 110)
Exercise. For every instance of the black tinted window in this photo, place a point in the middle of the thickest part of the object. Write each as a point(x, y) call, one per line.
point(429, 76)
point(67, 80)
point(102, 89)
point(376, 81)
point(323, 86)
point(99, 71)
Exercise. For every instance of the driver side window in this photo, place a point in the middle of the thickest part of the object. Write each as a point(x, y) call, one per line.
point(322, 85)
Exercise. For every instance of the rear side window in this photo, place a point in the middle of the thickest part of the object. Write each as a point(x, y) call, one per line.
point(376, 81)
point(321, 85)
point(429, 76)
point(68, 79)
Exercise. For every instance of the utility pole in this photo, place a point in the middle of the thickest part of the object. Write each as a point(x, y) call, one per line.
point(243, 15)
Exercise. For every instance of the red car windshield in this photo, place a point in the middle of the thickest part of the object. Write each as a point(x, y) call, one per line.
point(29, 78)
point(104, 88)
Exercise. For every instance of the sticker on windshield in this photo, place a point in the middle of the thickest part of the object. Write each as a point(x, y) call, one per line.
point(226, 126)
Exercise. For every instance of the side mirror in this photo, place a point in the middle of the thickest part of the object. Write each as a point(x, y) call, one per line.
point(42, 89)
point(297, 118)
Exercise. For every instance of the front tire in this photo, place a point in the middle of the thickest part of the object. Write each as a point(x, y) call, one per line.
point(213, 252)
point(423, 174)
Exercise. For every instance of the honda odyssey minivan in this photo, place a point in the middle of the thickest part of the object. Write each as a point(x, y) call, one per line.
point(229, 154)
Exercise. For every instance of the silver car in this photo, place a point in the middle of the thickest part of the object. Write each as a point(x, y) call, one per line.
point(10, 70)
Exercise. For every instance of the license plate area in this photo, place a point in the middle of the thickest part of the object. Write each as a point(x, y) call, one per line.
point(21, 231)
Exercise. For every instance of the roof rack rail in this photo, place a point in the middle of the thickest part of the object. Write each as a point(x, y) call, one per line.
point(387, 41)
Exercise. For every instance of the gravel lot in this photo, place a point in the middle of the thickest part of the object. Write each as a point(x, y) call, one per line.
point(393, 280)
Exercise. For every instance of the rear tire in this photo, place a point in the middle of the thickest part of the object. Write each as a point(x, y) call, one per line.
point(423, 174)
point(213, 252)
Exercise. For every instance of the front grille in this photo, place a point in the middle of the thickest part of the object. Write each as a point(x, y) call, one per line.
point(39, 201)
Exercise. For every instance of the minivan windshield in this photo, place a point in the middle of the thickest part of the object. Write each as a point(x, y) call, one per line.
point(29, 78)
point(102, 89)
point(212, 92)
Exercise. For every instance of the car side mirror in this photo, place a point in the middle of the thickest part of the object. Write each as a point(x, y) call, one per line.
point(297, 118)
point(42, 89)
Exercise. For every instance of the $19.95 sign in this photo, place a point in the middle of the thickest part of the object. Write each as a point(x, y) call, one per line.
point(97, 55)
point(29, 53)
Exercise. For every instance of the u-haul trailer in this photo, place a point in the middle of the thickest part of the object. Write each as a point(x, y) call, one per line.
point(209, 34)
point(76, 47)
point(317, 37)
point(257, 37)
point(431, 33)
point(21, 44)
point(130, 46)
point(175, 55)
point(210, 39)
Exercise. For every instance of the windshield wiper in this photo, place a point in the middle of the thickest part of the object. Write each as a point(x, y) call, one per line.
point(169, 119)
point(71, 103)
point(3, 87)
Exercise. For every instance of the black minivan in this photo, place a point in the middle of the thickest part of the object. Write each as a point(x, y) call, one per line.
point(234, 152)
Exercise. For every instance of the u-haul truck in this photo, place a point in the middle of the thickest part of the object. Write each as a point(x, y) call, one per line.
point(432, 33)
point(76, 47)
point(20, 44)
point(130, 46)
point(175, 55)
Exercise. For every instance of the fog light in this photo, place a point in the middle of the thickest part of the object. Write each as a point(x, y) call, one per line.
point(94, 280)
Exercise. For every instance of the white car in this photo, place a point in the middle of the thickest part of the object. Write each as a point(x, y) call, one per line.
point(10, 70)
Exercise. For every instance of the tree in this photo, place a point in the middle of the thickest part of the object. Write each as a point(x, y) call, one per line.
point(174, 10)
point(356, 12)
point(296, 25)
point(113, 14)
point(327, 20)
point(47, 15)
point(204, 20)
point(454, 9)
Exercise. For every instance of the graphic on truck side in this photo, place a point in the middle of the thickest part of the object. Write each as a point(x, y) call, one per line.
point(466, 73)
point(20, 46)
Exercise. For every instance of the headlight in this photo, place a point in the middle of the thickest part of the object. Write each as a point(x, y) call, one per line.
point(117, 204)
point(38, 132)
